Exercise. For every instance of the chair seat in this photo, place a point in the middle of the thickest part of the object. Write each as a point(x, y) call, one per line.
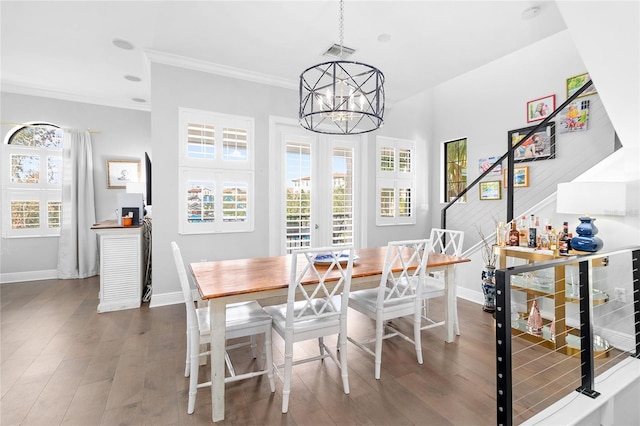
point(278, 314)
point(365, 302)
point(240, 316)
point(432, 287)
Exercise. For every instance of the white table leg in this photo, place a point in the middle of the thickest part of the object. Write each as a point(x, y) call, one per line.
point(217, 313)
point(450, 295)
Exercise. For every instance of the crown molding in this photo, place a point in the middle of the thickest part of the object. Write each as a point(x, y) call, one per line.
point(224, 70)
point(32, 90)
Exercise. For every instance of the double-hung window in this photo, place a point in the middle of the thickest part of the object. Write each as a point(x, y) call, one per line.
point(395, 181)
point(32, 181)
point(216, 172)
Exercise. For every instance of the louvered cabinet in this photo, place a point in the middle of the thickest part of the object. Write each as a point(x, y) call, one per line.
point(121, 266)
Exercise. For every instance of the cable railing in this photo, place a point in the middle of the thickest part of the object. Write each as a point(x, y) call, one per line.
point(560, 324)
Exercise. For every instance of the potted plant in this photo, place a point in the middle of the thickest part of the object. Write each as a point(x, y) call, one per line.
point(489, 258)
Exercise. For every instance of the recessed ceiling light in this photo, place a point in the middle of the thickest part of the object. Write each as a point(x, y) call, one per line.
point(531, 12)
point(384, 38)
point(122, 44)
point(132, 78)
point(140, 100)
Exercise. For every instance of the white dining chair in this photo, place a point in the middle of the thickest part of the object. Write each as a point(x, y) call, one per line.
point(394, 298)
point(448, 242)
point(244, 319)
point(315, 310)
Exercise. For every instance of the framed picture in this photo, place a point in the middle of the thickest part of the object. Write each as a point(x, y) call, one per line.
point(576, 82)
point(539, 109)
point(485, 163)
point(539, 146)
point(520, 176)
point(490, 190)
point(119, 172)
point(574, 118)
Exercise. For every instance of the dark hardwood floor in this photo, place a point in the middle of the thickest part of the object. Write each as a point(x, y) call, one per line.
point(65, 364)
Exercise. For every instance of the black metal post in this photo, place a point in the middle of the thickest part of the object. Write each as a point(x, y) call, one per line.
point(635, 261)
point(587, 366)
point(503, 350)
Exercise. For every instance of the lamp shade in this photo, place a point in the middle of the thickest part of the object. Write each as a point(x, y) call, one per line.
point(592, 198)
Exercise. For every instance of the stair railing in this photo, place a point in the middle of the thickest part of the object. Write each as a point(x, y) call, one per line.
point(510, 161)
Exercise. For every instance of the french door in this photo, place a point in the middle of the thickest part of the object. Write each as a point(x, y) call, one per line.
point(318, 189)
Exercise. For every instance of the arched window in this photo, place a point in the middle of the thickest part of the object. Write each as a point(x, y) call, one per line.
point(32, 181)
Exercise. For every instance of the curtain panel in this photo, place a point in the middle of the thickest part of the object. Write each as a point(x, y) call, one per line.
point(78, 247)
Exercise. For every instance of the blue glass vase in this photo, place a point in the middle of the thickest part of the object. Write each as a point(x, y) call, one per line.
point(586, 239)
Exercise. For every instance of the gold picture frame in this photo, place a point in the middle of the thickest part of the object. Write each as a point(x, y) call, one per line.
point(490, 190)
point(520, 176)
point(120, 172)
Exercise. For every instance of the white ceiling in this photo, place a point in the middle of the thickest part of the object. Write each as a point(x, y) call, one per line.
point(65, 50)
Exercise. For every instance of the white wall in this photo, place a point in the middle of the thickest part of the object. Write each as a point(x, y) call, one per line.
point(410, 120)
point(172, 88)
point(122, 135)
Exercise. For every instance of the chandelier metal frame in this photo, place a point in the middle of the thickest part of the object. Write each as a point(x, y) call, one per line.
point(341, 97)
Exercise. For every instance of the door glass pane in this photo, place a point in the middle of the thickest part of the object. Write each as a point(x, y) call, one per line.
point(298, 195)
point(342, 196)
point(200, 201)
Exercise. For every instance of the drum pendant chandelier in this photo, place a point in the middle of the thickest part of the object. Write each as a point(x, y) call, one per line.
point(341, 97)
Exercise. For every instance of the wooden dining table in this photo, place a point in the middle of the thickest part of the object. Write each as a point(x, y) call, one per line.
point(266, 280)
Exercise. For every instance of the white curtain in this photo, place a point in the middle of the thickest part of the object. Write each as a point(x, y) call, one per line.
point(78, 248)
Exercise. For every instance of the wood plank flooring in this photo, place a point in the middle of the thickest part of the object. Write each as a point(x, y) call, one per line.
point(65, 364)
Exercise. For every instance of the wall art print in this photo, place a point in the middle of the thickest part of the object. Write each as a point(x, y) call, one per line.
point(574, 118)
point(485, 163)
point(539, 109)
point(541, 145)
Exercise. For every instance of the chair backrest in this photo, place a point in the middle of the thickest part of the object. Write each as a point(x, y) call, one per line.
point(409, 259)
point(446, 241)
point(192, 318)
point(330, 268)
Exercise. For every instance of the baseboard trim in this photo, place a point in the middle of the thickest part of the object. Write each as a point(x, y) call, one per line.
point(17, 277)
point(470, 295)
point(165, 299)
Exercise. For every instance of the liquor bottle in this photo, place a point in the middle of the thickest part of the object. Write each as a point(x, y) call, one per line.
point(553, 241)
point(514, 235)
point(522, 229)
point(545, 238)
point(563, 240)
point(533, 241)
point(538, 232)
point(502, 234)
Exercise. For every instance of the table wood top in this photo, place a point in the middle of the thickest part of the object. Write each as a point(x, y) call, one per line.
point(224, 278)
